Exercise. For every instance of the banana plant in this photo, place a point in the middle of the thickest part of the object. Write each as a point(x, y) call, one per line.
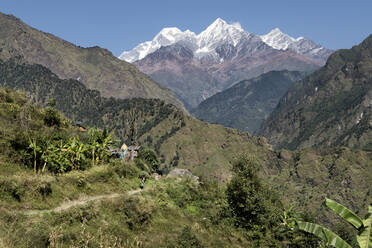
point(94, 146)
point(99, 143)
point(107, 140)
point(364, 236)
point(76, 149)
point(35, 149)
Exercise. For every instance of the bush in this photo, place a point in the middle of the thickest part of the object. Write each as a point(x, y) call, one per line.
point(187, 239)
point(149, 158)
point(126, 170)
point(138, 211)
point(52, 117)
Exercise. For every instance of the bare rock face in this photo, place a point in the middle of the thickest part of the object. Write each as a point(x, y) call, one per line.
point(183, 173)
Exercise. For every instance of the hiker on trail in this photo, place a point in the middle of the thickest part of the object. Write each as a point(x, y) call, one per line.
point(143, 179)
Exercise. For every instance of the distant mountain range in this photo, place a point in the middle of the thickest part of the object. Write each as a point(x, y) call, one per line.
point(95, 67)
point(196, 67)
point(248, 103)
point(331, 107)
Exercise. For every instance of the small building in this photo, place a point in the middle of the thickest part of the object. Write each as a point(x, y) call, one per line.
point(79, 124)
point(133, 151)
point(125, 152)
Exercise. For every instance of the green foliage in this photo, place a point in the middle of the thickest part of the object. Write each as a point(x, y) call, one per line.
point(288, 233)
point(253, 204)
point(99, 142)
point(323, 233)
point(147, 159)
point(364, 236)
point(52, 117)
point(42, 139)
point(187, 239)
point(139, 212)
point(79, 103)
point(344, 213)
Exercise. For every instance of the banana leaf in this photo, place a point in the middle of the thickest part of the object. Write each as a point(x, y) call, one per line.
point(364, 236)
point(345, 213)
point(323, 233)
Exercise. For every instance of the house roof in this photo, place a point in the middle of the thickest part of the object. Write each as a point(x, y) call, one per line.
point(134, 148)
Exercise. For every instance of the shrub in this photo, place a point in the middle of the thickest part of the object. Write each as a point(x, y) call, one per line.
point(52, 117)
point(138, 211)
point(150, 158)
point(187, 239)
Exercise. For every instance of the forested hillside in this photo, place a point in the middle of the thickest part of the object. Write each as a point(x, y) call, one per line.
point(331, 107)
point(245, 105)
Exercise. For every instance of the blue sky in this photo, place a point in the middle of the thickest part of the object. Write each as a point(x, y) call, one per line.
point(120, 25)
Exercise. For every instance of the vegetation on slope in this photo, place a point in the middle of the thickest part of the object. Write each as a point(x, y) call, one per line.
point(80, 104)
point(95, 67)
point(167, 213)
point(331, 107)
point(245, 105)
point(207, 150)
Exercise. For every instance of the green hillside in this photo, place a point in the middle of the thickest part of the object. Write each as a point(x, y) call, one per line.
point(245, 105)
point(207, 150)
point(95, 67)
point(156, 124)
point(331, 107)
point(51, 195)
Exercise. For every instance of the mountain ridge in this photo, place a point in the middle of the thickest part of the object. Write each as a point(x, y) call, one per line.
point(214, 60)
point(245, 105)
point(219, 31)
point(331, 107)
point(97, 68)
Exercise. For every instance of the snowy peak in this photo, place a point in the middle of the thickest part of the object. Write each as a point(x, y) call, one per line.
point(166, 37)
point(220, 31)
point(169, 36)
point(221, 34)
point(281, 41)
point(277, 39)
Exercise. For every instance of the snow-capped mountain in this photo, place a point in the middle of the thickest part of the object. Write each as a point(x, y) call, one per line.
point(281, 41)
point(196, 66)
point(278, 40)
point(204, 44)
point(221, 33)
point(166, 37)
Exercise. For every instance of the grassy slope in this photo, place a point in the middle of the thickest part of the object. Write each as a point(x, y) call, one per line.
point(206, 149)
point(157, 216)
point(153, 218)
point(161, 211)
point(97, 68)
point(331, 107)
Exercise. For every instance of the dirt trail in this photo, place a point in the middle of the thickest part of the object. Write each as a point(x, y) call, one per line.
point(79, 202)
